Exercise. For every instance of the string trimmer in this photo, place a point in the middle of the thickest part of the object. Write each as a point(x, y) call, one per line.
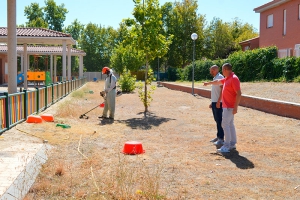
point(83, 116)
point(102, 94)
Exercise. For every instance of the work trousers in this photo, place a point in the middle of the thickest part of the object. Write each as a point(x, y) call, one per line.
point(110, 104)
point(228, 127)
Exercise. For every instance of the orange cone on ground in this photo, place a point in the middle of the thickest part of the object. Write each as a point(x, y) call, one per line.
point(34, 119)
point(47, 117)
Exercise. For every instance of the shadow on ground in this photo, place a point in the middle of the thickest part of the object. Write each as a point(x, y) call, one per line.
point(148, 121)
point(240, 161)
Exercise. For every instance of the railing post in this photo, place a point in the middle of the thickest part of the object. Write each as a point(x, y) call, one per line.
point(62, 90)
point(65, 94)
point(52, 91)
point(68, 87)
point(25, 104)
point(6, 110)
point(37, 100)
point(46, 97)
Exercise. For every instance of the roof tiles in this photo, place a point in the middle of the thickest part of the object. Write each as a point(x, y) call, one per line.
point(42, 49)
point(35, 32)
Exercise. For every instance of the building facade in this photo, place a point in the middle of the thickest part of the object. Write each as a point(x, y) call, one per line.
point(280, 26)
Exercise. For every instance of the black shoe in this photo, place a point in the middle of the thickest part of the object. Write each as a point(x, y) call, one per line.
point(110, 118)
point(101, 117)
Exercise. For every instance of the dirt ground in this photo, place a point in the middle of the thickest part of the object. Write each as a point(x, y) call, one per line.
point(179, 161)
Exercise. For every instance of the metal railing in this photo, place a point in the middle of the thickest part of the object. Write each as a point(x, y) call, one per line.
point(14, 108)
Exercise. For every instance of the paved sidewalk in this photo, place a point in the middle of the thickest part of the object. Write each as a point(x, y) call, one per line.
point(21, 156)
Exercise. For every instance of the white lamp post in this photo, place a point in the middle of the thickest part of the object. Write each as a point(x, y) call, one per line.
point(194, 37)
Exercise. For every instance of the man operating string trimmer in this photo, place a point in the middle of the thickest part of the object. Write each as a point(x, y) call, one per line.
point(109, 94)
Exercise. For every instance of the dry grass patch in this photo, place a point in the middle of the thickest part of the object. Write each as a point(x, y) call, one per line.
point(86, 162)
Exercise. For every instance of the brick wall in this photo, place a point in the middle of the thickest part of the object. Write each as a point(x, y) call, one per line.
point(274, 35)
point(281, 108)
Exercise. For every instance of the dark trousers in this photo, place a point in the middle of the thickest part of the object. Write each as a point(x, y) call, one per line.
point(217, 112)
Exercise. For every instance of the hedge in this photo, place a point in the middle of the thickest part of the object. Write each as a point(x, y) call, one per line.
point(251, 65)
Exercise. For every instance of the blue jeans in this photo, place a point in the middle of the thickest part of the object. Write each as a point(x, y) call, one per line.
point(217, 113)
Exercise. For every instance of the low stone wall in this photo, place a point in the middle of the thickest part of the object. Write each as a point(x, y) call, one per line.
point(281, 108)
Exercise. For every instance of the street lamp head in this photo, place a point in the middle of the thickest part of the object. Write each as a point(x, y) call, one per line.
point(194, 36)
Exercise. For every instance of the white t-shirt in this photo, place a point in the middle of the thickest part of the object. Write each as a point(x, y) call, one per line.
point(216, 89)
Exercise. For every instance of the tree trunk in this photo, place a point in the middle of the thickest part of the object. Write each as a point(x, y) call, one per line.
point(146, 77)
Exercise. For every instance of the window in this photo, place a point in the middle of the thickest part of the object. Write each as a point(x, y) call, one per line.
point(284, 22)
point(270, 21)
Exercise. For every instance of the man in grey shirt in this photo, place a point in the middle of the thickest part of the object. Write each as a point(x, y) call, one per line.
point(216, 105)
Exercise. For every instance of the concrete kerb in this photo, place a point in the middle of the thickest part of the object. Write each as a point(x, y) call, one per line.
point(281, 108)
point(20, 166)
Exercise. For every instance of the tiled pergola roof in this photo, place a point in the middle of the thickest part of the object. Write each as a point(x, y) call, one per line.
point(37, 36)
point(43, 50)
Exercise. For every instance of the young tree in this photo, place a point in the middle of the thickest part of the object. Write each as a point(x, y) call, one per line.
point(146, 35)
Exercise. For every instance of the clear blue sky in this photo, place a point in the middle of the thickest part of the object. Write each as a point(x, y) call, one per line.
point(111, 12)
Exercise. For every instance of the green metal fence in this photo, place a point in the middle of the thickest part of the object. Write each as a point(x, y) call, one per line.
point(14, 108)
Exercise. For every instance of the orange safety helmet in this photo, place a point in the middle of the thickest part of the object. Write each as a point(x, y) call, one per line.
point(105, 70)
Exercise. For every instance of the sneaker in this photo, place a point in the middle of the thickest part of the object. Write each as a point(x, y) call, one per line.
point(223, 149)
point(214, 140)
point(232, 147)
point(219, 142)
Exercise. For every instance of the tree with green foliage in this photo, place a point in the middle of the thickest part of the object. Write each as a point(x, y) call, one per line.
point(241, 32)
point(98, 42)
point(51, 16)
point(75, 29)
point(34, 14)
point(55, 15)
point(122, 34)
point(145, 34)
point(126, 57)
point(219, 41)
point(181, 20)
point(89, 43)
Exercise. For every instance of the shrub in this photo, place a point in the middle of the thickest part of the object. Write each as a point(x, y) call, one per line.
point(252, 65)
point(201, 71)
point(255, 64)
point(286, 69)
point(297, 79)
point(127, 81)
